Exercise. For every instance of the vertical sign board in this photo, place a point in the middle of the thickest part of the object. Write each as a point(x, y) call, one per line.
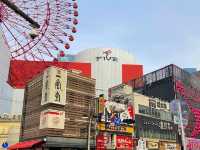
point(54, 86)
point(52, 119)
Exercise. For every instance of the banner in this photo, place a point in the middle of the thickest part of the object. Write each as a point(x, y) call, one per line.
point(52, 119)
point(124, 142)
point(110, 127)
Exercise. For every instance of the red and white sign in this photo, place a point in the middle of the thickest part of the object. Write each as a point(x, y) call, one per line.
point(192, 144)
point(124, 142)
point(52, 119)
point(121, 142)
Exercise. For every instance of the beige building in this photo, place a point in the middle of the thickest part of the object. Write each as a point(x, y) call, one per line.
point(9, 129)
point(57, 104)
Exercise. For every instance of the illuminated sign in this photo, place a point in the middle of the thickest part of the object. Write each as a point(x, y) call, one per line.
point(124, 142)
point(110, 127)
point(113, 141)
point(152, 145)
point(107, 56)
point(169, 146)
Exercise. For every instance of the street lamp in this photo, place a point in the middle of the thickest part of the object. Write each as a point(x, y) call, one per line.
point(89, 131)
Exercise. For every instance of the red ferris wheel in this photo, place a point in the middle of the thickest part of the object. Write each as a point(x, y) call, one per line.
point(38, 29)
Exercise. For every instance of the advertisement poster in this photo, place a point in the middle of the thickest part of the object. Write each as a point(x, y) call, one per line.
point(124, 142)
point(52, 119)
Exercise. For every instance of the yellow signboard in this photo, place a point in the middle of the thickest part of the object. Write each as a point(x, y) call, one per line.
point(110, 127)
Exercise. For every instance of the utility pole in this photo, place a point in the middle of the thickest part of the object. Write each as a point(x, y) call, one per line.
point(89, 131)
point(181, 123)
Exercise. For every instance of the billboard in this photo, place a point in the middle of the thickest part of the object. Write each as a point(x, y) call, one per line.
point(54, 86)
point(115, 115)
point(52, 119)
point(113, 141)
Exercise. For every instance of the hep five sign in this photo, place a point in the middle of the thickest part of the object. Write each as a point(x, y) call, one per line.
point(124, 142)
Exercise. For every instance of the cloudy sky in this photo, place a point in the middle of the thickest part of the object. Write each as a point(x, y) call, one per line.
point(157, 32)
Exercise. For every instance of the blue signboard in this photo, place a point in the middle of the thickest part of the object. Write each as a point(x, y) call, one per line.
point(5, 145)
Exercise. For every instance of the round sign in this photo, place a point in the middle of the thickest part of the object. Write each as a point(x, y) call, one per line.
point(5, 145)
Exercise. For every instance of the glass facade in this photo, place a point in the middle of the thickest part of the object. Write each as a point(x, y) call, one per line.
point(148, 127)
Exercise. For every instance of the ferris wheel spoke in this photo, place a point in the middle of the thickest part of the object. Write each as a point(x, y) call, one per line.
point(11, 33)
point(47, 50)
point(57, 20)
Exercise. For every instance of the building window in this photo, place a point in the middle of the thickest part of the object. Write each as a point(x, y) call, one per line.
point(57, 96)
point(58, 84)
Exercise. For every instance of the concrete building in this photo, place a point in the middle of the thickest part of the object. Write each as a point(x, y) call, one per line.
point(154, 124)
point(56, 107)
point(108, 66)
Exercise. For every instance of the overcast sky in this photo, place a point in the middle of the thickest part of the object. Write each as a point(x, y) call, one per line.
point(157, 32)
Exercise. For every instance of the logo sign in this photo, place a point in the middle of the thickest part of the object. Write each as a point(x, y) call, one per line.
point(152, 145)
point(170, 146)
point(52, 119)
point(5, 145)
point(107, 56)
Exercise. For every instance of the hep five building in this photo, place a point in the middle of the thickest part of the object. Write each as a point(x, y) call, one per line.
point(108, 66)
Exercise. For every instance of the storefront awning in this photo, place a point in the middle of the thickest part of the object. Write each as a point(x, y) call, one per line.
point(25, 144)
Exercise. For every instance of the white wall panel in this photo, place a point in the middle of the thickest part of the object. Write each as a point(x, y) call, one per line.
point(107, 73)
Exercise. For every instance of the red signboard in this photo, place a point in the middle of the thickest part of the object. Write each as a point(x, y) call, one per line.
point(22, 71)
point(121, 142)
point(130, 72)
point(124, 142)
point(101, 142)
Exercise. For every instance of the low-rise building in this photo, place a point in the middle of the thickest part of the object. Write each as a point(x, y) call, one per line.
point(154, 123)
point(9, 129)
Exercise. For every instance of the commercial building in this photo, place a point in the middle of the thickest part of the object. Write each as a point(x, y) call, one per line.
point(115, 126)
point(154, 124)
point(18, 77)
point(55, 110)
point(170, 83)
point(9, 129)
point(107, 65)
